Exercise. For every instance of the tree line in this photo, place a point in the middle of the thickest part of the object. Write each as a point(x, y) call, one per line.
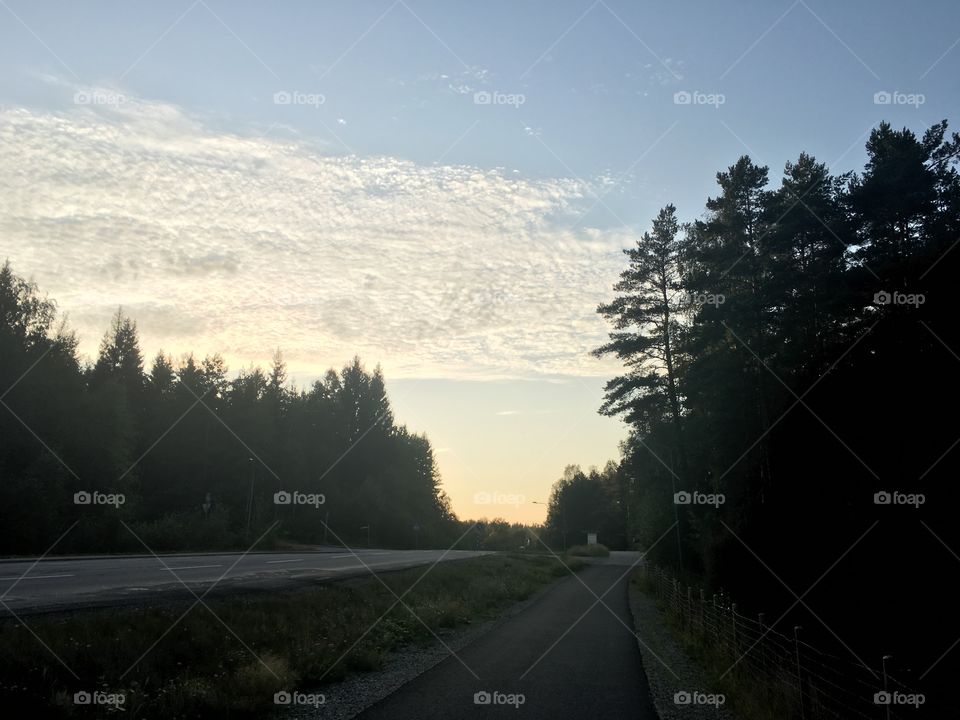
point(790, 361)
point(182, 456)
point(583, 503)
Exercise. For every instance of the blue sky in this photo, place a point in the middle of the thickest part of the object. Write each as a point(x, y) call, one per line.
point(446, 192)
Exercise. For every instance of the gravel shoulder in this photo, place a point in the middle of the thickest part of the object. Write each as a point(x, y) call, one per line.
point(669, 669)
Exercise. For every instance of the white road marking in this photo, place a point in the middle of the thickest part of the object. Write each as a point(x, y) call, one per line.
point(274, 562)
point(195, 567)
point(34, 577)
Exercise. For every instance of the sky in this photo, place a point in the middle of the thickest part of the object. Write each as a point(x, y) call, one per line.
point(441, 188)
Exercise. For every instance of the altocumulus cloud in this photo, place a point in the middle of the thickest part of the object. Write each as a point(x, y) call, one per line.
point(225, 242)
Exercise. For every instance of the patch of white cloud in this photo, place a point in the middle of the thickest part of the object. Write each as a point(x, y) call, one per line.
point(666, 73)
point(230, 243)
point(464, 81)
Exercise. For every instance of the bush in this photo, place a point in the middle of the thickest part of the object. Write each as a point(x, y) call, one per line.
point(187, 531)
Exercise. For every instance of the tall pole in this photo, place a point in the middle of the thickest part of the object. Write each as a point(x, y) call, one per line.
point(796, 641)
point(253, 470)
point(563, 520)
point(884, 663)
point(563, 514)
point(676, 513)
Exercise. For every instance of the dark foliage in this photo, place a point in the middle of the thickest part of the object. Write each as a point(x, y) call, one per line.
point(813, 348)
point(197, 456)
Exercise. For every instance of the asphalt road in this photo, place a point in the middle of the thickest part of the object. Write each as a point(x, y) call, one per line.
point(27, 586)
point(566, 655)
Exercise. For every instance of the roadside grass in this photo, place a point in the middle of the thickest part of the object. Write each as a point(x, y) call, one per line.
point(589, 551)
point(295, 640)
point(747, 696)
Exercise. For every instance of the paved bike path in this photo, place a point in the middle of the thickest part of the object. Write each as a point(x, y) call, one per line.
point(566, 659)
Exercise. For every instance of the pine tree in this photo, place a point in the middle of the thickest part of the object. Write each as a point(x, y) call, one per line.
point(727, 264)
point(120, 357)
point(645, 318)
point(806, 248)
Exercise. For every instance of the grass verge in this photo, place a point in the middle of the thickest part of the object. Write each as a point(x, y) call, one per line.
point(747, 696)
point(229, 660)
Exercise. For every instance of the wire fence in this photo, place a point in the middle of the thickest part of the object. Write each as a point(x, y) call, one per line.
point(805, 682)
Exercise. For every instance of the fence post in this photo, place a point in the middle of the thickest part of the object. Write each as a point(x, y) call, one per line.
point(733, 617)
point(716, 616)
point(703, 629)
point(762, 644)
point(796, 642)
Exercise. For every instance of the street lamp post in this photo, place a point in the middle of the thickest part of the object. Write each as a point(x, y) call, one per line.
point(676, 514)
point(796, 642)
point(563, 519)
point(884, 664)
point(253, 469)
